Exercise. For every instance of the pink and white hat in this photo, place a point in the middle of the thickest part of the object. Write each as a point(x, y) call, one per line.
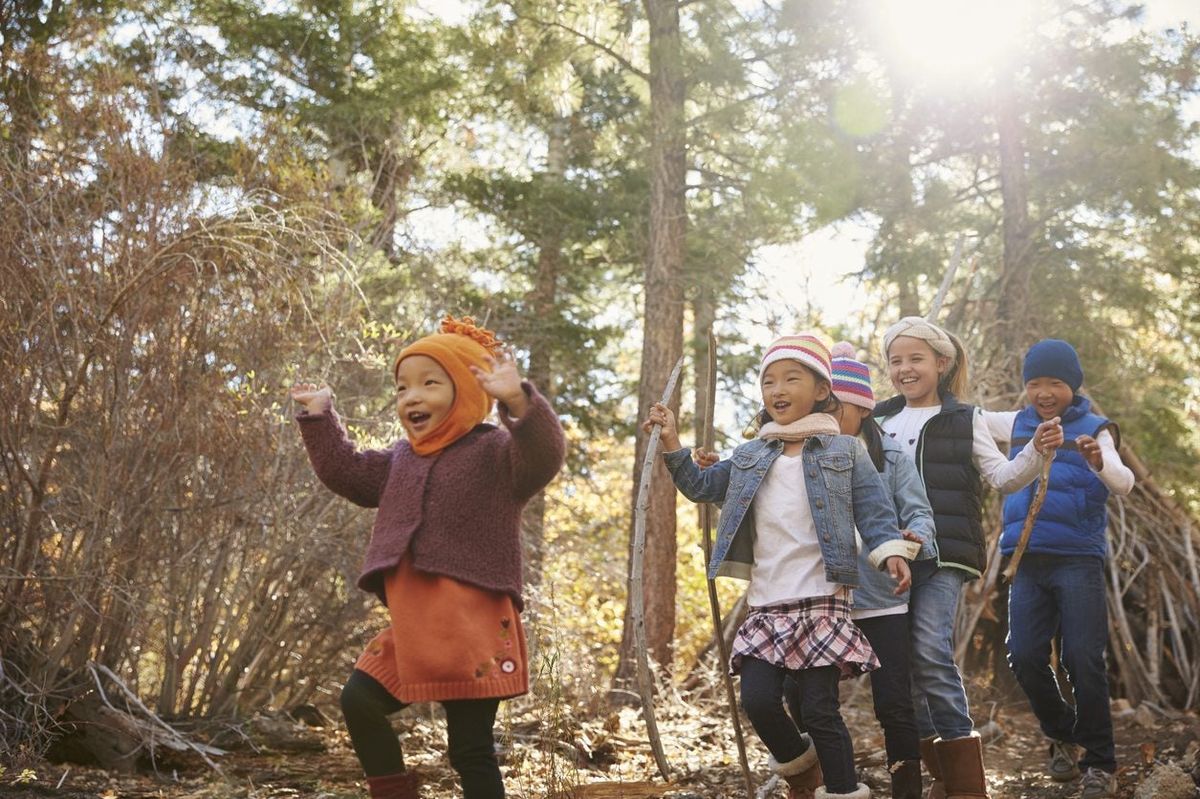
point(851, 378)
point(809, 348)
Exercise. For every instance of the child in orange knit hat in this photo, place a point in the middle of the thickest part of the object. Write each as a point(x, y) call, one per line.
point(445, 552)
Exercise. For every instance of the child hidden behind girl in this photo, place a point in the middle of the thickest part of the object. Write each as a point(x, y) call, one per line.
point(791, 501)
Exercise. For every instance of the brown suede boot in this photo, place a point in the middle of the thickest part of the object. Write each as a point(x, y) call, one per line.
point(906, 779)
point(802, 775)
point(929, 756)
point(394, 786)
point(961, 760)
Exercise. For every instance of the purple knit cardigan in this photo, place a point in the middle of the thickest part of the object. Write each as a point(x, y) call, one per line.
point(458, 513)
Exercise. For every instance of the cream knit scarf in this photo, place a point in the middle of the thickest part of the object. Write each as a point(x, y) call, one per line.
point(815, 424)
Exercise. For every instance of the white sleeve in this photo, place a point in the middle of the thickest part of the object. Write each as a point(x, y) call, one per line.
point(1000, 473)
point(1000, 425)
point(1114, 474)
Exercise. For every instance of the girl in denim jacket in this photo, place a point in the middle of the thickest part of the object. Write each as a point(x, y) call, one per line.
point(791, 500)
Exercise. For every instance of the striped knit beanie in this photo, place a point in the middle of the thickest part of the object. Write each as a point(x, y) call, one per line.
point(809, 348)
point(851, 378)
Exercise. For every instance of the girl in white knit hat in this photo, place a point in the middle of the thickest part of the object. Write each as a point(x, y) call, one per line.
point(954, 453)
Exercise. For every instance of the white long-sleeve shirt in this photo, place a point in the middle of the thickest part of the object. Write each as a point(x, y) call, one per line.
point(993, 465)
point(1115, 475)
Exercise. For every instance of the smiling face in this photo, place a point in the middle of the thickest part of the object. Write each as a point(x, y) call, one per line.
point(915, 370)
point(424, 395)
point(1049, 396)
point(790, 390)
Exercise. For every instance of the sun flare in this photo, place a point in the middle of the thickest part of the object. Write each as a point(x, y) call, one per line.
point(948, 40)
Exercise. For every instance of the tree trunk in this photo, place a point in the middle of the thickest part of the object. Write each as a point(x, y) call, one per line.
point(1012, 308)
point(662, 341)
point(542, 303)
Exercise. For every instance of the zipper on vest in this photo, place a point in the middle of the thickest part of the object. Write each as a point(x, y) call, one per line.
point(937, 551)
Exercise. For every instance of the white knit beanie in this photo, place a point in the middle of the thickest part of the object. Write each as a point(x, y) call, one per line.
point(916, 327)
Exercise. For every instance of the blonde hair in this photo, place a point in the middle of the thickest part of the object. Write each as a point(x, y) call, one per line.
point(955, 379)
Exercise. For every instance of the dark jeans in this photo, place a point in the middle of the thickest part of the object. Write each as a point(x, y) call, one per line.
point(367, 704)
point(1064, 596)
point(762, 699)
point(891, 688)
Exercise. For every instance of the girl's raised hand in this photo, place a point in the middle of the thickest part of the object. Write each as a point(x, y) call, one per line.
point(661, 415)
point(315, 398)
point(1048, 436)
point(503, 382)
point(898, 568)
point(704, 458)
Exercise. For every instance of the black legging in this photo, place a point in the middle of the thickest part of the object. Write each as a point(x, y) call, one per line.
point(366, 705)
point(762, 699)
point(890, 687)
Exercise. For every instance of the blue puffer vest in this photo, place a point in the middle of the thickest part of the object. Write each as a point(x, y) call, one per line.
point(1074, 517)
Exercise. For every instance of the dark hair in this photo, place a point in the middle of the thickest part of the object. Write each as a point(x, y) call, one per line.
point(872, 435)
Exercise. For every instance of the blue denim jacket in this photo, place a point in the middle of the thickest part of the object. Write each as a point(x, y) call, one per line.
point(844, 490)
point(907, 492)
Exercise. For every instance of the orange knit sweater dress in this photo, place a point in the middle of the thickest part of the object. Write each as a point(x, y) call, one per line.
point(447, 640)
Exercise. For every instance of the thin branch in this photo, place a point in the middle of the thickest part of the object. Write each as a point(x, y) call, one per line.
point(599, 45)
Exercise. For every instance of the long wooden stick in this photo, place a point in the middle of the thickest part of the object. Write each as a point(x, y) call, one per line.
point(637, 598)
point(947, 279)
point(706, 514)
point(1035, 508)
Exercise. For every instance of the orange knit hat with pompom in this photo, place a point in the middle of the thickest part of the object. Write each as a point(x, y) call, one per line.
point(460, 345)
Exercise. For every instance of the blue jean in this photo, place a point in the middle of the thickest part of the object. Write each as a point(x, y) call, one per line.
point(939, 699)
point(1056, 595)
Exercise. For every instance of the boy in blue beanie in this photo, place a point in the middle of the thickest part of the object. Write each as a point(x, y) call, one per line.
point(1059, 588)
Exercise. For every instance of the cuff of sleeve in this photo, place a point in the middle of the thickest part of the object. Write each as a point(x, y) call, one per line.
point(677, 456)
point(531, 396)
point(905, 549)
point(304, 416)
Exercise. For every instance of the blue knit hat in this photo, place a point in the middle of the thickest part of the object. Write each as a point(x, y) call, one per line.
point(1052, 357)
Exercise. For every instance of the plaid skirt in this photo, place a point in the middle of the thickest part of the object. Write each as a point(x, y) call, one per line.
point(805, 634)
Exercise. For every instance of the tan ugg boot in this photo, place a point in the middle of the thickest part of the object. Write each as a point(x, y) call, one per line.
point(802, 775)
point(961, 760)
point(861, 792)
point(394, 786)
point(929, 756)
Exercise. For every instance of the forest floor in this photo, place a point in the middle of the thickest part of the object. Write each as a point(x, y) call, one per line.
point(605, 756)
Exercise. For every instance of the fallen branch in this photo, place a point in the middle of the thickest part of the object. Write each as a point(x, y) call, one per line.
point(174, 739)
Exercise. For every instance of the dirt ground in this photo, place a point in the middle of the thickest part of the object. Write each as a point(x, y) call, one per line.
point(602, 756)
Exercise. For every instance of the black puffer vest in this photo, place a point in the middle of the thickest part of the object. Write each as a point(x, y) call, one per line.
point(952, 482)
